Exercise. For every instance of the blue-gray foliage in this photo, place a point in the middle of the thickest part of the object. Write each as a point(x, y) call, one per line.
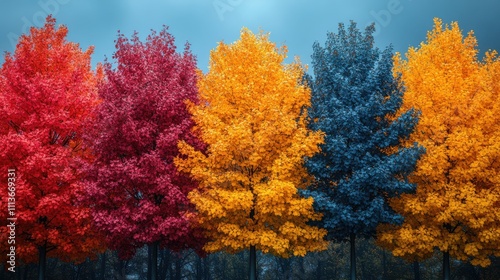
point(354, 102)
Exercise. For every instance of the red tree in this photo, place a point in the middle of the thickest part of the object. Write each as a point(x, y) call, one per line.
point(137, 195)
point(47, 90)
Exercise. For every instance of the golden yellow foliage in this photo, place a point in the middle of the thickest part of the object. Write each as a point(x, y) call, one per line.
point(455, 208)
point(252, 117)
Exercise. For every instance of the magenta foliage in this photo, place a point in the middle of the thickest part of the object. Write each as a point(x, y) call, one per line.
point(136, 193)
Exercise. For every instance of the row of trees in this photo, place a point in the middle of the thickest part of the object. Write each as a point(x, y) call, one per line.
point(254, 154)
point(373, 263)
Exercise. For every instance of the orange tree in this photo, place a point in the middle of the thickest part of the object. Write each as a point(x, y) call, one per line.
point(252, 117)
point(455, 207)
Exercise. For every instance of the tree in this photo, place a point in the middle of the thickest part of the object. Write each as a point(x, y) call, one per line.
point(364, 160)
point(47, 90)
point(137, 195)
point(252, 116)
point(455, 207)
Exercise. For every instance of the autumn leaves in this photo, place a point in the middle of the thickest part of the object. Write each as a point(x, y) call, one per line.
point(455, 204)
point(251, 116)
point(136, 195)
point(253, 153)
point(46, 89)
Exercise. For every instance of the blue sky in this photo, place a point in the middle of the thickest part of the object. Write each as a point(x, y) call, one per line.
point(203, 23)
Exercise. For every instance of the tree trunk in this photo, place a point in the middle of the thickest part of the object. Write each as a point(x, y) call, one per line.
point(416, 270)
point(302, 269)
point(253, 264)
point(91, 270)
point(18, 273)
point(42, 262)
point(284, 267)
point(103, 266)
point(120, 268)
point(198, 269)
point(352, 240)
point(287, 269)
point(384, 265)
point(148, 275)
point(153, 260)
point(25, 274)
point(206, 269)
point(178, 267)
point(472, 272)
point(165, 267)
point(446, 266)
point(78, 271)
point(319, 270)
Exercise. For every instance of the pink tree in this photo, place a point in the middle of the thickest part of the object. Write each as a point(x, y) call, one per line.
point(134, 189)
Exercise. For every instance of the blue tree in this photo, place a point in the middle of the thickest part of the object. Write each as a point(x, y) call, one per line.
point(365, 159)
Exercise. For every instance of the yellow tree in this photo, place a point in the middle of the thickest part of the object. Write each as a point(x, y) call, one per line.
point(455, 207)
point(252, 117)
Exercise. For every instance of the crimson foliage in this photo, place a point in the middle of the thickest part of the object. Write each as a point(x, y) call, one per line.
point(135, 191)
